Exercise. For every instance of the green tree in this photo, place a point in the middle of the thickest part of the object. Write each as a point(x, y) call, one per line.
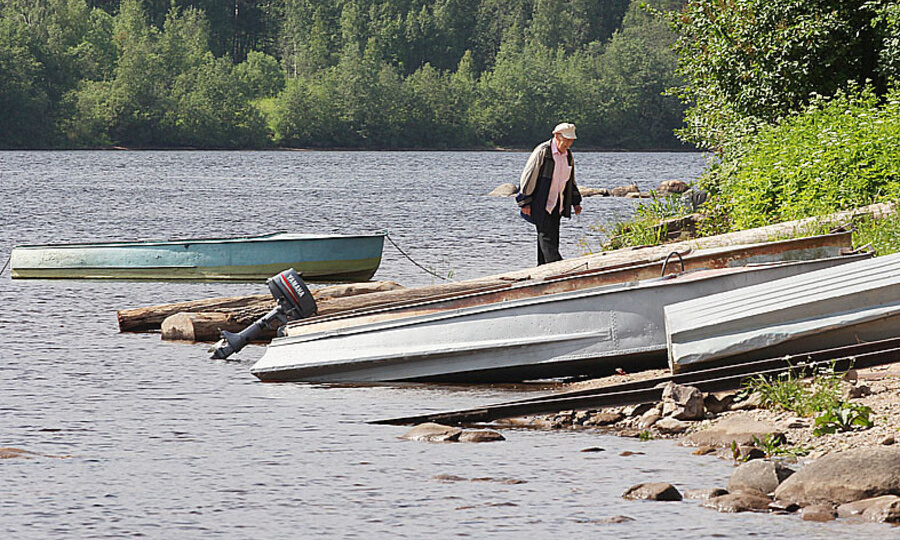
point(748, 63)
point(636, 69)
point(261, 74)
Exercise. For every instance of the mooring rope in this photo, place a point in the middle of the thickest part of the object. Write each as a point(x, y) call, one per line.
point(391, 240)
point(5, 265)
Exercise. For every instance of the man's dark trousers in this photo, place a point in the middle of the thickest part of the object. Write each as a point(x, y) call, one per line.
point(548, 239)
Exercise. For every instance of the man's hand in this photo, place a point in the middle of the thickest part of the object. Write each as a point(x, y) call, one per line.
point(526, 210)
point(577, 209)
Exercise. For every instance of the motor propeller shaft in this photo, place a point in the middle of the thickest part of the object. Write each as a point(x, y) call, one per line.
point(295, 301)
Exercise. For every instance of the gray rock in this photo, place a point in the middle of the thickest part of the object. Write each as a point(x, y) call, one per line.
point(649, 418)
point(653, 491)
point(637, 410)
point(504, 190)
point(580, 417)
point(667, 187)
point(479, 436)
point(670, 426)
point(884, 511)
point(448, 478)
point(887, 441)
point(740, 428)
point(856, 508)
point(603, 418)
point(753, 401)
point(693, 198)
point(818, 512)
point(622, 191)
point(761, 475)
point(616, 519)
point(593, 192)
point(742, 501)
point(844, 477)
point(688, 401)
point(431, 432)
point(857, 391)
point(716, 404)
point(638, 195)
point(704, 494)
point(748, 452)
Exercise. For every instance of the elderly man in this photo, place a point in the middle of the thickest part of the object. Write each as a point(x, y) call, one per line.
point(547, 190)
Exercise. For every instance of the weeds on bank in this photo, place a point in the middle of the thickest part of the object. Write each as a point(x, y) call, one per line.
point(773, 446)
point(883, 234)
point(820, 397)
point(647, 227)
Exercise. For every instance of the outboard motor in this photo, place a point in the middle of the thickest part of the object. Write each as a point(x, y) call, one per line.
point(294, 302)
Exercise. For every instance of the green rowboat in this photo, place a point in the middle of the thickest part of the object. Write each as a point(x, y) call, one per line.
point(317, 257)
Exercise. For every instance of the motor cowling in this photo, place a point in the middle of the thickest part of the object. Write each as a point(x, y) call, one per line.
point(295, 301)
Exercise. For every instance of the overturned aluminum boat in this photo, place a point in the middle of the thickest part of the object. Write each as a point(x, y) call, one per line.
point(583, 332)
point(831, 307)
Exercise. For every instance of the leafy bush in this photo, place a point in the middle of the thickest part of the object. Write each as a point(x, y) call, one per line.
point(750, 63)
point(837, 155)
point(790, 392)
point(847, 417)
point(820, 397)
point(647, 226)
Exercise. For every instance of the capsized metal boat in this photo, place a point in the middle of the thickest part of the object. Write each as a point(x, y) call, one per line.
point(317, 257)
point(425, 300)
point(580, 332)
point(831, 307)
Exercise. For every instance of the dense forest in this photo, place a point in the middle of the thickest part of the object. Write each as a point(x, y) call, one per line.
point(336, 73)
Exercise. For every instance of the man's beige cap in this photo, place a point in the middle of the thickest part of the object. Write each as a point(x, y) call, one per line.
point(565, 129)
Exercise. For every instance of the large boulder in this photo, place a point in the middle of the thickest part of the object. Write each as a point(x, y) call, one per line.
point(653, 491)
point(682, 402)
point(845, 477)
point(740, 428)
point(622, 191)
point(761, 475)
point(667, 187)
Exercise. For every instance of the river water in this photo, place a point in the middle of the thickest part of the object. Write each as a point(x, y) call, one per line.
point(133, 436)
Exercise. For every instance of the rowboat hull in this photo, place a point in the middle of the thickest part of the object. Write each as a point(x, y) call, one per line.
point(583, 332)
point(829, 308)
point(316, 257)
point(409, 302)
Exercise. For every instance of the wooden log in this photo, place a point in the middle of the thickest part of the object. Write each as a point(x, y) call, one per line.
point(256, 305)
point(205, 326)
point(151, 318)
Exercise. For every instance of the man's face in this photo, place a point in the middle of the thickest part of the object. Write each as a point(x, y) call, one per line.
point(562, 143)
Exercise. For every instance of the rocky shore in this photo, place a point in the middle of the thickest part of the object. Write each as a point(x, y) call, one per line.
point(781, 465)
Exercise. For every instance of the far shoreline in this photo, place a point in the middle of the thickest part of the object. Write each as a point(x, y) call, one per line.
point(576, 149)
